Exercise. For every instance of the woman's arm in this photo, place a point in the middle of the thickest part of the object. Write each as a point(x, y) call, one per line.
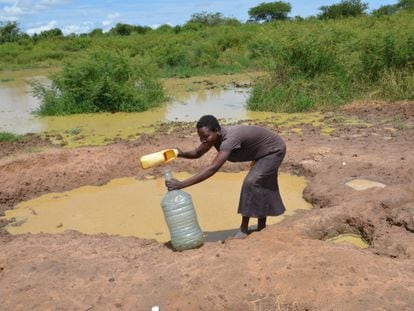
point(209, 171)
point(194, 154)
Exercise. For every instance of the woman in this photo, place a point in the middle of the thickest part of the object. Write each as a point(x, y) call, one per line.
point(260, 195)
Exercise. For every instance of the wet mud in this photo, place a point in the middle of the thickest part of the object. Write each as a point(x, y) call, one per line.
point(288, 266)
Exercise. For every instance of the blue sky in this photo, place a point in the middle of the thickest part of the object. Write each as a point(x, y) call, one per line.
point(73, 16)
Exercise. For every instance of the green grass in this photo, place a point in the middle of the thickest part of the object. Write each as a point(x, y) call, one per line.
point(10, 137)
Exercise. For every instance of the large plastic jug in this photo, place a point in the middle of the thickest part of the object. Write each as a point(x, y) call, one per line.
point(157, 158)
point(181, 218)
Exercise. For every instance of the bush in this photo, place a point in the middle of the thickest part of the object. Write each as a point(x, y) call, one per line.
point(329, 63)
point(100, 82)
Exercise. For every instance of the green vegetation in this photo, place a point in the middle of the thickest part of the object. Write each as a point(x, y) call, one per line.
point(100, 82)
point(324, 64)
point(271, 11)
point(341, 55)
point(9, 137)
point(4, 80)
point(346, 8)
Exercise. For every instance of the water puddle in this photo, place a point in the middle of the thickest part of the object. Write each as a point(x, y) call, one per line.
point(224, 96)
point(129, 207)
point(361, 184)
point(348, 238)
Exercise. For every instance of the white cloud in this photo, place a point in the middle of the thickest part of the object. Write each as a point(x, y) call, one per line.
point(16, 10)
point(110, 19)
point(45, 4)
point(8, 18)
point(48, 26)
point(13, 10)
point(20, 8)
point(85, 27)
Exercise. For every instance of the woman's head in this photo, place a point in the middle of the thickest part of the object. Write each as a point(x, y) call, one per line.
point(209, 122)
point(209, 130)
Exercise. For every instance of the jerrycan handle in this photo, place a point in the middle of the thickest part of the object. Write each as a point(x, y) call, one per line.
point(170, 154)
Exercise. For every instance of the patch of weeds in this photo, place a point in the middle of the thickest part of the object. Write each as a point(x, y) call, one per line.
point(338, 119)
point(4, 80)
point(74, 131)
point(10, 137)
point(398, 123)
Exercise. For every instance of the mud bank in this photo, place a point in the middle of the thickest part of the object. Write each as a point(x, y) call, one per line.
point(288, 266)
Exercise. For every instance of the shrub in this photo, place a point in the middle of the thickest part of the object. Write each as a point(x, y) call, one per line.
point(100, 82)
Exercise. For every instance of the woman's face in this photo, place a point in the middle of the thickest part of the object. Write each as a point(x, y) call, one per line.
point(207, 136)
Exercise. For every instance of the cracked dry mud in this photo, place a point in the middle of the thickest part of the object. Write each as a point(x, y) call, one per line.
point(288, 266)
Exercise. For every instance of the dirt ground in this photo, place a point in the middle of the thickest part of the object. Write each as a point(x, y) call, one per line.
point(288, 266)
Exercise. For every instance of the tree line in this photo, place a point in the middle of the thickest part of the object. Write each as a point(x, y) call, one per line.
point(263, 13)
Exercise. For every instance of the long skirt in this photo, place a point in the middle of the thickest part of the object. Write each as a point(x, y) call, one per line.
point(260, 195)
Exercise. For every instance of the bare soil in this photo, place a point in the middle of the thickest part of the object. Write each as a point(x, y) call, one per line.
point(287, 266)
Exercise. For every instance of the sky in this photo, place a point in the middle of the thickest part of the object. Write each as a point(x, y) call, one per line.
point(73, 16)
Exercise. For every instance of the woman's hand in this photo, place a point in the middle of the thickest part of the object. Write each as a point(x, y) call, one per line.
point(173, 184)
point(180, 152)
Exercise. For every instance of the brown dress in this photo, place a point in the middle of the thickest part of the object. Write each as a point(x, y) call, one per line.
point(259, 195)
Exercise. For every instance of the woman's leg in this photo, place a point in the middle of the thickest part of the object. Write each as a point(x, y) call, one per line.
point(244, 224)
point(261, 223)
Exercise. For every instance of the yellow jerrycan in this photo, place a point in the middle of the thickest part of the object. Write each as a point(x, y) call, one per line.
point(158, 158)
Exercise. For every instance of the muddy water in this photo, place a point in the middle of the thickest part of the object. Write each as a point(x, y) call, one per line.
point(348, 238)
point(17, 103)
point(224, 96)
point(190, 98)
point(129, 207)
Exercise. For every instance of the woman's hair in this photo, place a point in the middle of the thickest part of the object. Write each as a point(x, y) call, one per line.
point(209, 122)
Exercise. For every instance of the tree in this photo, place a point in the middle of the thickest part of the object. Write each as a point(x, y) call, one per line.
point(212, 19)
point(270, 11)
point(121, 29)
point(165, 28)
point(9, 32)
point(386, 10)
point(96, 32)
point(126, 29)
point(402, 5)
point(52, 33)
point(346, 8)
point(406, 4)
